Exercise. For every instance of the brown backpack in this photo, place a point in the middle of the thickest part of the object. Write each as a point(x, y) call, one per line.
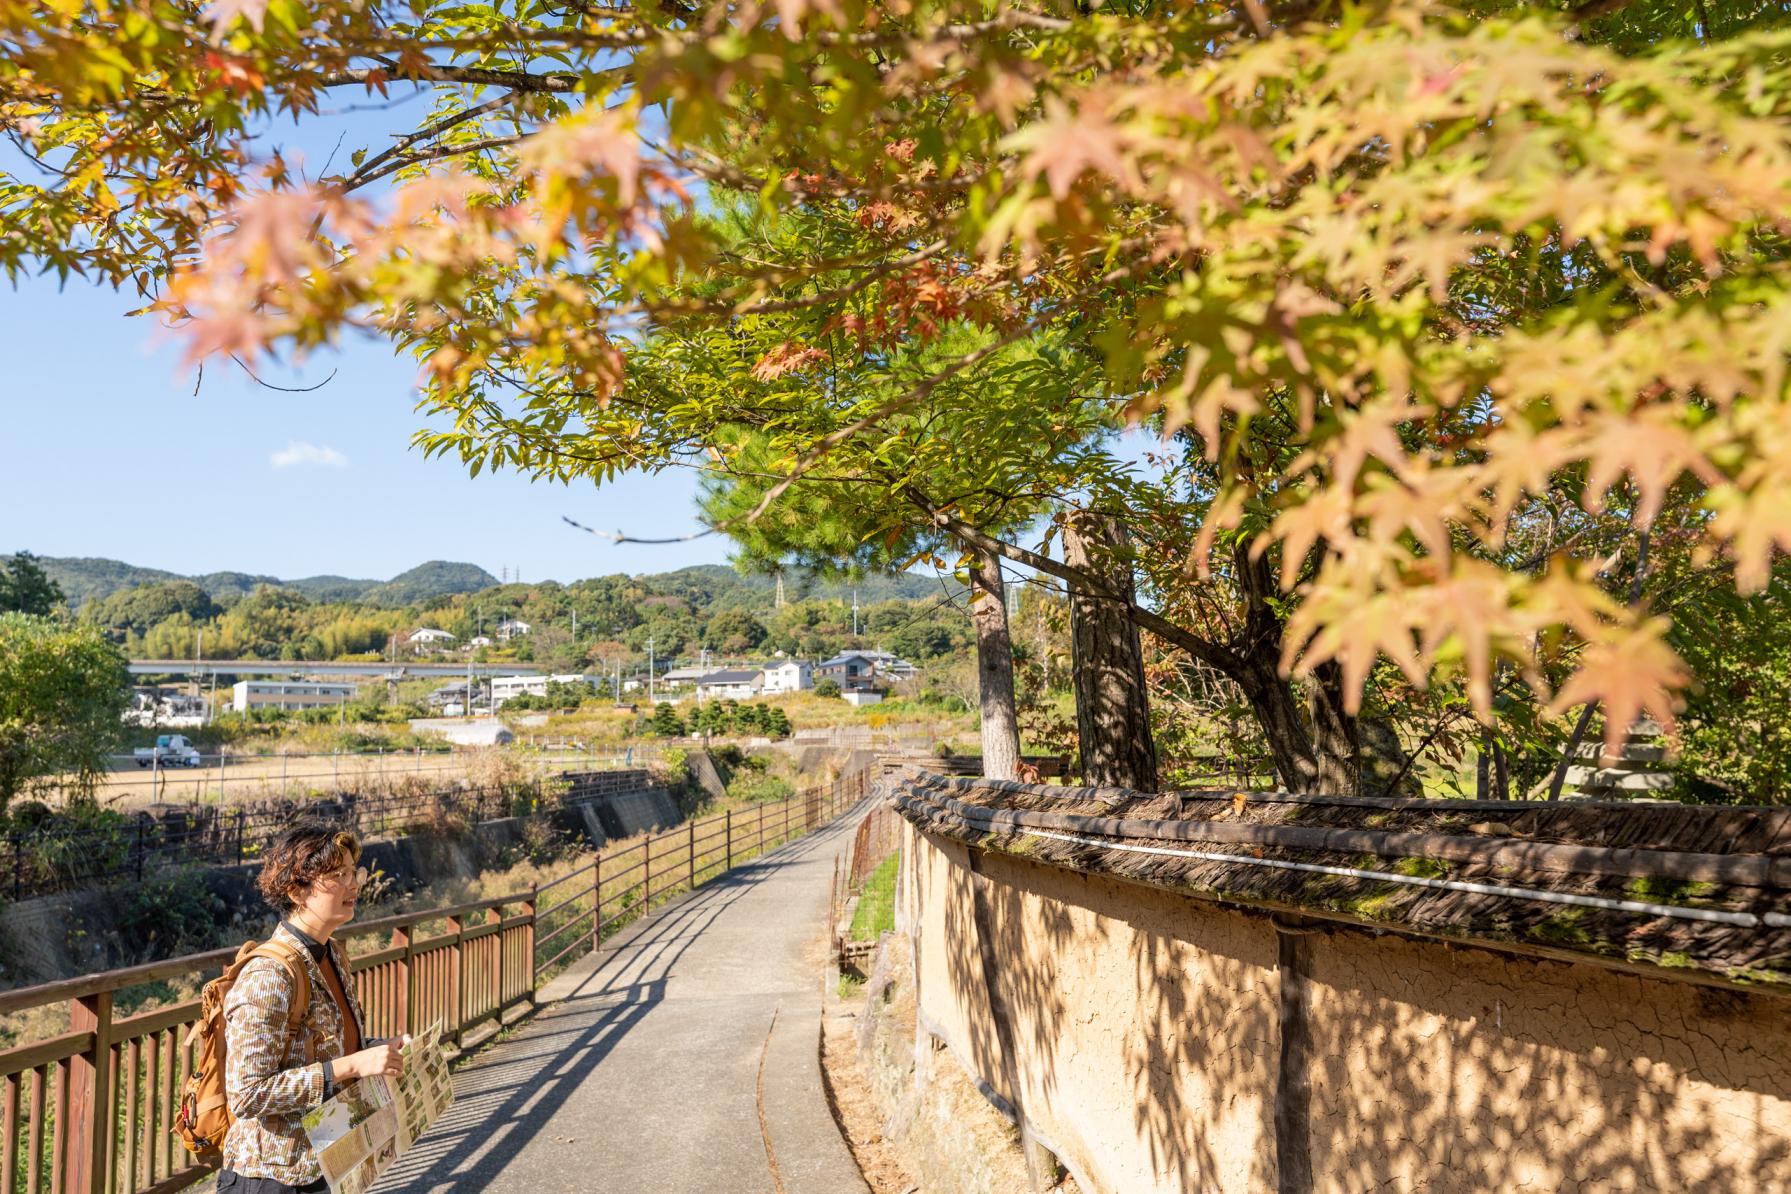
point(204, 1116)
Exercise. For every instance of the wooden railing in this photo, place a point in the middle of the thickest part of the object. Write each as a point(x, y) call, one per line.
point(87, 1111)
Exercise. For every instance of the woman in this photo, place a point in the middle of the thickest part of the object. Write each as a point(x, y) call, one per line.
point(272, 1077)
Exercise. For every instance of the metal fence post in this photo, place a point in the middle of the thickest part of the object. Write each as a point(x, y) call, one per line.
point(647, 872)
point(528, 906)
point(456, 996)
point(597, 901)
point(88, 1135)
point(407, 977)
point(729, 815)
point(139, 849)
point(691, 848)
point(241, 816)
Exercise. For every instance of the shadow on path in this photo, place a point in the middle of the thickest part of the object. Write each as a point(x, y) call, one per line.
point(592, 1093)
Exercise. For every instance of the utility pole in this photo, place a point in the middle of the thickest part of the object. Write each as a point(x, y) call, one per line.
point(649, 672)
point(779, 602)
point(855, 612)
point(467, 708)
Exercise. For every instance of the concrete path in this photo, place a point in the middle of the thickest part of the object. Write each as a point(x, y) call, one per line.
point(682, 1057)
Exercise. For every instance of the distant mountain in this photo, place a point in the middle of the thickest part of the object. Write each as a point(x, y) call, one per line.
point(437, 578)
point(725, 586)
point(85, 579)
point(90, 579)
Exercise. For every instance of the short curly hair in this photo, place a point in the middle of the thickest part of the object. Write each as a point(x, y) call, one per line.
point(300, 855)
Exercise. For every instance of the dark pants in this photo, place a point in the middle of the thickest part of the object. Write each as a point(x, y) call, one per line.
point(235, 1183)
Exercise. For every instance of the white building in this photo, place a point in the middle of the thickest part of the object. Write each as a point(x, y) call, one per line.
point(477, 641)
point(288, 694)
point(865, 696)
point(737, 685)
point(684, 675)
point(864, 671)
point(792, 675)
point(426, 638)
point(511, 628)
point(505, 687)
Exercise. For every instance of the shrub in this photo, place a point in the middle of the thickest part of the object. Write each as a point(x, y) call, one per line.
point(828, 687)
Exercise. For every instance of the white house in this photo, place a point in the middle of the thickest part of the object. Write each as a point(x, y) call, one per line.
point(477, 641)
point(427, 638)
point(742, 684)
point(511, 628)
point(505, 687)
point(684, 675)
point(288, 694)
point(792, 675)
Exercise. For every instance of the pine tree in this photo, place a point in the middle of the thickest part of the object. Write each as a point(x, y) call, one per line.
point(665, 721)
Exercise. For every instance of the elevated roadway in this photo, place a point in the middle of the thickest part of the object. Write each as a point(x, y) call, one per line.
point(309, 668)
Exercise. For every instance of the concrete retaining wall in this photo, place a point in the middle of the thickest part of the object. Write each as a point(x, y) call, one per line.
point(1160, 1043)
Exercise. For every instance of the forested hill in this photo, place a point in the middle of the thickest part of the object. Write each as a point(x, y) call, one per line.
point(85, 579)
point(597, 621)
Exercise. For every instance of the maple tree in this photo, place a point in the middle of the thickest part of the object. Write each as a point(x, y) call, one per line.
point(1423, 287)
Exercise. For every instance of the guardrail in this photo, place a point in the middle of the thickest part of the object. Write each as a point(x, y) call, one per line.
point(87, 1111)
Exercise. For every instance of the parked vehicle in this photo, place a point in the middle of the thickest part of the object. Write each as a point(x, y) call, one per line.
point(171, 750)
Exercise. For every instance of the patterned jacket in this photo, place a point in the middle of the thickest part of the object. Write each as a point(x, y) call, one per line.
point(271, 1081)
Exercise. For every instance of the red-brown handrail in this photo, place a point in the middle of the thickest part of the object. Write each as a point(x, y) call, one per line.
point(88, 1111)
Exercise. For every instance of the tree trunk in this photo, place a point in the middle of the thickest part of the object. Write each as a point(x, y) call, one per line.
point(994, 668)
point(1107, 662)
point(1334, 736)
point(1278, 715)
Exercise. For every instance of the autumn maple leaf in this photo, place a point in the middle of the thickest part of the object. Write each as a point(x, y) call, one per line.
point(224, 13)
point(1069, 141)
point(1633, 671)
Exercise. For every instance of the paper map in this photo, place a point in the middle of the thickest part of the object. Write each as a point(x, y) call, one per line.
point(372, 1122)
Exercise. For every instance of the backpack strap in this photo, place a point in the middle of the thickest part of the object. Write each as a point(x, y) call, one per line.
point(287, 955)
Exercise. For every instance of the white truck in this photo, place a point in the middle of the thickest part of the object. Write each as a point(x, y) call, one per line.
point(170, 750)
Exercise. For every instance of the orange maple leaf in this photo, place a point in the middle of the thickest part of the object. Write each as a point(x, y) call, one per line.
point(1633, 671)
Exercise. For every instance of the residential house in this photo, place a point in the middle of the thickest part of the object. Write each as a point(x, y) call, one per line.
point(425, 639)
point(863, 671)
point(861, 696)
point(791, 675)
point(680, 676)
point(477, 641)
point(511, 628)
point(505, 687)
point(289, 694)
point(739, 684)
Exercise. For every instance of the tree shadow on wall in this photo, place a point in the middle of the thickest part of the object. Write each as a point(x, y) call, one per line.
point(1473, 1070)
point(1174, 1055)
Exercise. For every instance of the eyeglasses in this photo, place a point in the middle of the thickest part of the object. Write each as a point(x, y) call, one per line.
point(345, 878)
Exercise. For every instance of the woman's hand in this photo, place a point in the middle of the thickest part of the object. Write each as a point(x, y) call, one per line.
point(382, 1060)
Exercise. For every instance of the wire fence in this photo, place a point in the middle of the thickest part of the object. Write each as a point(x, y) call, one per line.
point(58, 856)
point(223, 776)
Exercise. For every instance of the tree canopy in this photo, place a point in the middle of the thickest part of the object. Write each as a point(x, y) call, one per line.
point(1434, 295)
point(63, 689)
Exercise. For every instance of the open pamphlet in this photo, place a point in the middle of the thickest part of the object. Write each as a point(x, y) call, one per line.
point(371, 1122)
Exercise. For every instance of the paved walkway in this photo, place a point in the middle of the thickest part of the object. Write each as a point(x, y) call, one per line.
point(682, 1057)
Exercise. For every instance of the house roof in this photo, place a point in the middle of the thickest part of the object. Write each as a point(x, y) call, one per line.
point(685, 673)
point(729, 677)
point(849, 655)
point(429, 632)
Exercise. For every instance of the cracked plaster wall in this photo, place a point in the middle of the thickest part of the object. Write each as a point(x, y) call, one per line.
point(1140, 1032)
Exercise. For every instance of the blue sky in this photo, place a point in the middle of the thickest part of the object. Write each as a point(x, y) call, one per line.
point(107, 452)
